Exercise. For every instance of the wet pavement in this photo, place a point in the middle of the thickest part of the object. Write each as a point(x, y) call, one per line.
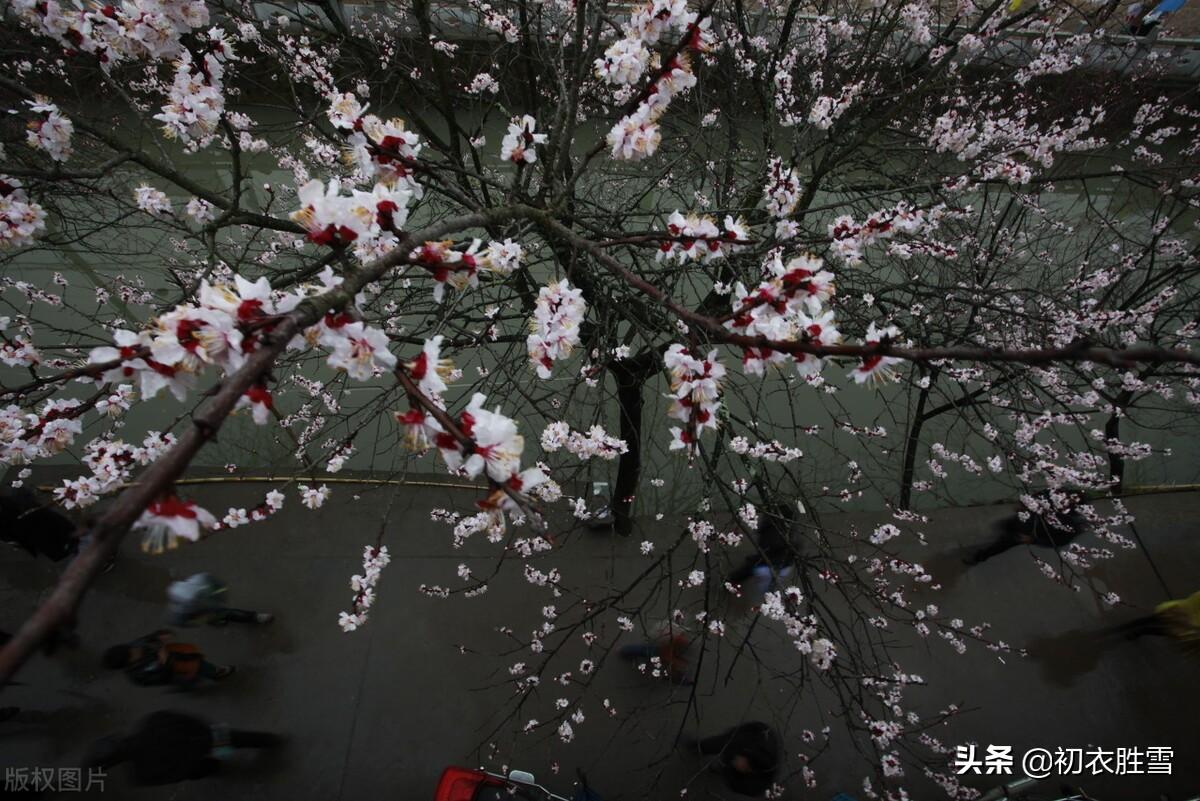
point(377, 714)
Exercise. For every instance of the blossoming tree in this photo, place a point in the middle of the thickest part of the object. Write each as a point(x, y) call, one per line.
point(671, 237)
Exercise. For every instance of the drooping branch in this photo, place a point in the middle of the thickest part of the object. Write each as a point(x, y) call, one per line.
point(1078, 351)
point(103, 537)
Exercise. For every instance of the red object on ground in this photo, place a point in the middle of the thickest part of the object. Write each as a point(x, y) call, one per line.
point(461, 784)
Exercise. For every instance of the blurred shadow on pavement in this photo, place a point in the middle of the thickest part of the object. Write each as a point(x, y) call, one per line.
point(1065, 657)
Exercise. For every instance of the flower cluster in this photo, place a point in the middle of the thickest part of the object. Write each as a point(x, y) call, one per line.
point(382, 150)
point(594, 443)
point(170, 518)
point(773, 451)
point(196, 100)
point(826, 110)
point(374, 561)
point(237, 516)
point(460, 269)
point(637, 134)
point(25, 436)
point(313, 497)
point(496, 21)
point(851, 238)
point(518, 144)
point(20, 218)
point(16, 351)
point(695, 237)
point(784, 607)
point(370, 219)
point(555, 325)
point(358, 349)
point(495, 444)
point(624, 62)
point(152, 201)
point(140, 29)
point(782, 189)
point(486, 443)
point(112, 462)
point(788, 305)
point(150, 29)
point(221, 330)
point(695, 392)
point(50, 131)
point(1011, 146)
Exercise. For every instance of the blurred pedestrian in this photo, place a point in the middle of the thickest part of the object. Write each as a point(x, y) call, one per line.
point(1139, 20)
point(35, 527)
point(1049, 528)
point(774, 556)
point(1177, 619)
point(747, 756)
point(666, 653)
point(203, 598)
point(169, 747)
point(157, 659)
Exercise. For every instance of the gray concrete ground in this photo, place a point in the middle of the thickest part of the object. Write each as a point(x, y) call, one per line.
point(378, 713)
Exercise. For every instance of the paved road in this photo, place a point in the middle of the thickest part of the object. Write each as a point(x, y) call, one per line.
point(376, 714)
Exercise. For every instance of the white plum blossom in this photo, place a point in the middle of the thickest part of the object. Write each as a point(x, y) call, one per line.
point(200, 210)
point(20, 218)
point(375, 559)
point(51, 130)
point(429, 369)
point(152, 201)
point(555, 324)
point(694, 237)
point(504, 257)
point(877, 368)
point(483, 82)
point(497, 445)
point(637, 135)
point(519, 144)
point(360, 351)
point(624, 62)
point(782, 189)
point(695, 393)
point(169, 519)
point(313, 497)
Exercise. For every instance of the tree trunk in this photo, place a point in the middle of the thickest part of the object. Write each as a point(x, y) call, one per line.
point(1112, 431)
point(629, 466)
point(910, 446)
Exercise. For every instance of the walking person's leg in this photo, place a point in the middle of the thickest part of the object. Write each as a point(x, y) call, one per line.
point(215, 672)
point(640, 650)
point(711, 746)
point(225, 615)
point(239, 738)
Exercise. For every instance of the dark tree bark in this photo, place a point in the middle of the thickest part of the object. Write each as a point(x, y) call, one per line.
point(630, 375)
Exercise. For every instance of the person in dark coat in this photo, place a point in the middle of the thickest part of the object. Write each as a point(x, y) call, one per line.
point(158, 659)
point(747, 756)
point(170, 747)
point(1051, 529)
point(35, 527)
point(774, 556)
